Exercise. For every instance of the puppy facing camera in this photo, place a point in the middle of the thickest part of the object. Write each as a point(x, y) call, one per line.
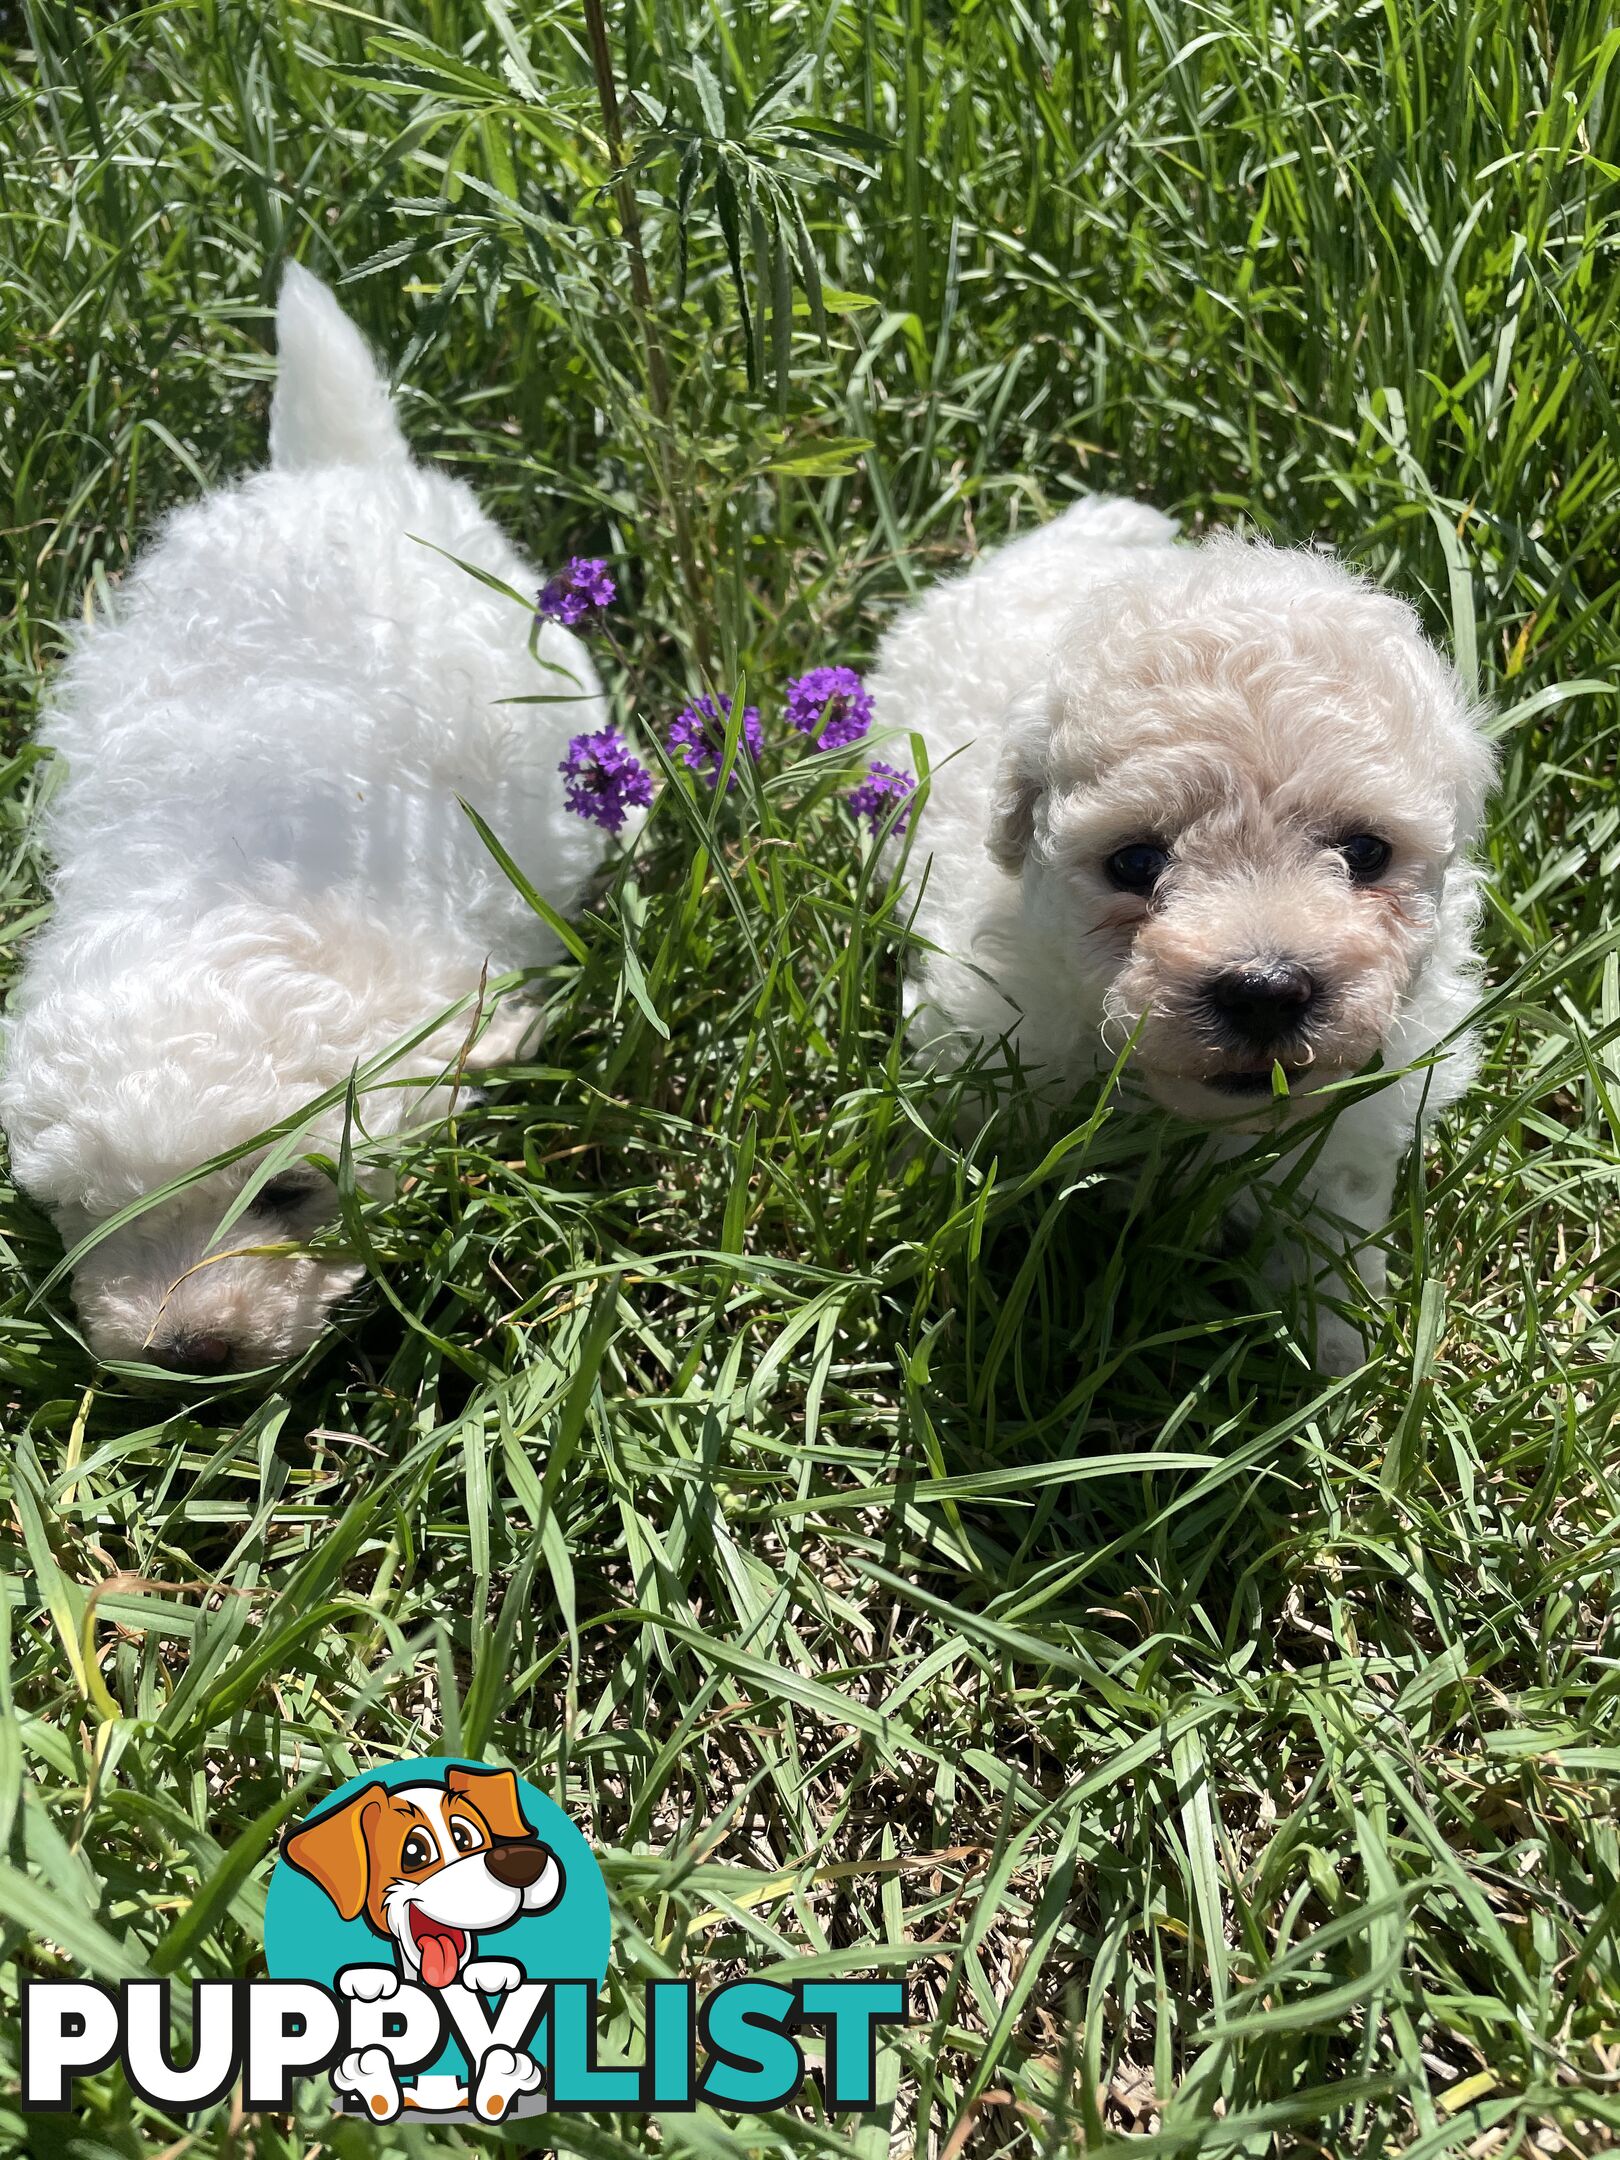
point(1210, 806)
point(265, 879)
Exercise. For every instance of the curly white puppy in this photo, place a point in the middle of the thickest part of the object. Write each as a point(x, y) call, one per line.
point(264, 875)
point(1217, 798)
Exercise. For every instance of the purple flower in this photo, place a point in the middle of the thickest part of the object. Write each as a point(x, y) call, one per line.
point(604, 778)
point(698, 735)
point(883, 785)
point(581, 591)
point(831, 704)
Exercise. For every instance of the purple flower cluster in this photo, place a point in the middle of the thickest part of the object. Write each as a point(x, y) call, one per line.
point(604, 779)
point(697, 736)
point(831, 705)
point(581, 593)
point(883, 785)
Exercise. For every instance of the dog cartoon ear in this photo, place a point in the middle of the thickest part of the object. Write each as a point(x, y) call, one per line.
point(332, 1850)
point(1022, 777)
point(494, 1794)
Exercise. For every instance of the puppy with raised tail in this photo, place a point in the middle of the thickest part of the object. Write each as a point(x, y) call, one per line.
point(264, 875)
point(1213, 801)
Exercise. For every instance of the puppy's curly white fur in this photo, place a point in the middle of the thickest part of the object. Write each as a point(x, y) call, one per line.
point(1219, 799)
point(264, 877)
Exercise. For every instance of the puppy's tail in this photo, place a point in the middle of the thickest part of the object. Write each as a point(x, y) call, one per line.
point(331, 405)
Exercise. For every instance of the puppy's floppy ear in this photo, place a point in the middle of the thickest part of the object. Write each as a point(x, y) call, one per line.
point(333, 1850)
point(494, 1794)
point(1022, 777)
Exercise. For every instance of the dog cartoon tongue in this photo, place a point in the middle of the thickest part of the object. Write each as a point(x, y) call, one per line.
point(440, 1947)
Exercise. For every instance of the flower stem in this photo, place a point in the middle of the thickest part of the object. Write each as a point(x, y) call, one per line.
point(641, 306)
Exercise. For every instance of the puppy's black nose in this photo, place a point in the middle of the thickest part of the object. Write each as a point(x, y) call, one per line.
point(194, 1353)
point(517, 1865)
point(1264, 1002)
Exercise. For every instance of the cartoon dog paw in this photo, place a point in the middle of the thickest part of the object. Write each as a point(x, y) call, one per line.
point(368, 1983)
point(492, 1976)
point(368, 2073)
point(502, 2076)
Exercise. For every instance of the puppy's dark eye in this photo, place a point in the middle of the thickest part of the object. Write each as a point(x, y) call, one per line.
point(417, 1852)
point(1138, 867)
point(285, 1195)
point(462, 1835)
point(1366, 856)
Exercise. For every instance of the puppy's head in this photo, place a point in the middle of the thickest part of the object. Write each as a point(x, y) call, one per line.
point(145, 1049)
point(172, 1288)
point(1234, 809)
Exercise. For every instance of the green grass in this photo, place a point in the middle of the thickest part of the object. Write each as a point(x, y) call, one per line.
point(904, 1558)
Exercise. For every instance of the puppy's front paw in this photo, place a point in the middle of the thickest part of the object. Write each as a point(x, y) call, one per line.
point(368, 2073)
point(492, 1976)
point(502, 2076)
point(368, 1983)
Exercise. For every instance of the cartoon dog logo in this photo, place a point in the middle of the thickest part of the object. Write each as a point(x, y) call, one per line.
point(432, 1869)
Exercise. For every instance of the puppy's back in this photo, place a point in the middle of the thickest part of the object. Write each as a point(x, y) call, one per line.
point(300, 682)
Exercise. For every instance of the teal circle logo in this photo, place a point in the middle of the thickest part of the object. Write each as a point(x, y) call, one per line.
point(439, 1897)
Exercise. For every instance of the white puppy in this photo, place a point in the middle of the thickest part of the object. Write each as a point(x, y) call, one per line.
point(264, 875)
point(1215, 801)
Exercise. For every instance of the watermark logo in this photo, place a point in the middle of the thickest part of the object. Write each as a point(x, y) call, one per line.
point(435, 1934)
point(439, 1901)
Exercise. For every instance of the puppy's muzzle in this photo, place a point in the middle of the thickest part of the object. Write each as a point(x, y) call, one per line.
point(1261, 1005)
point(189, 1353)
point(518, 1864)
